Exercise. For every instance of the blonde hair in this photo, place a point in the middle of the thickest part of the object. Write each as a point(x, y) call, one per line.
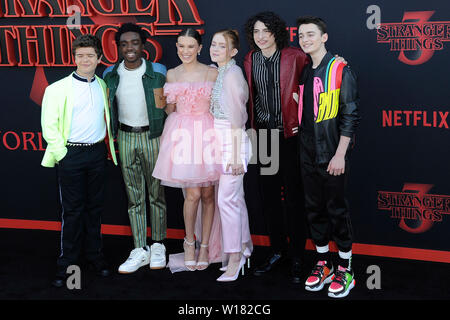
point(232, 36)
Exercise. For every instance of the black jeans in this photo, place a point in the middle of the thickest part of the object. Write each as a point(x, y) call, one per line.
point(282, 197)
point(81, 175)
point(326, 206)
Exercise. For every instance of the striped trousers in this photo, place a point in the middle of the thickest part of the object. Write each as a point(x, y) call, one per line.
point(138, 154)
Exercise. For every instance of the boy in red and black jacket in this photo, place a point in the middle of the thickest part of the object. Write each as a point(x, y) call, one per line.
point(273, 70)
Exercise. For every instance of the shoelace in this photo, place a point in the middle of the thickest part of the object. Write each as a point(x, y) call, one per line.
point(317, 271)
point(340, 277)
point(133, 253)
point(157, 251)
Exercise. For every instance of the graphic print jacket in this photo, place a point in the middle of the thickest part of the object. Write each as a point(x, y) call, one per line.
point(336, 104)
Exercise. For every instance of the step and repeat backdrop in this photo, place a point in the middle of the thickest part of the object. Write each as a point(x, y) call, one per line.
point(399, 189)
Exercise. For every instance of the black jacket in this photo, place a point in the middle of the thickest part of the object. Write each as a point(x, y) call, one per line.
point(335, 107)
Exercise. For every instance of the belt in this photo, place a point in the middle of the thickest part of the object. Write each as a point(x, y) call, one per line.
point(82, 144)
point(126, 128)
point(267, 127)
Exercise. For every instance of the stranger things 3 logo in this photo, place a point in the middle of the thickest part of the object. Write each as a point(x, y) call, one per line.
point(415, 208)
point(49, 45)
point(415, 38)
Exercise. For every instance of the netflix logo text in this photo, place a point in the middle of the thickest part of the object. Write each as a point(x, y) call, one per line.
point(415, 118)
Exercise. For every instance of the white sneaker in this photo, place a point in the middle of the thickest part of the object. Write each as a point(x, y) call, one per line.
point(138, 258)
point(158, 256)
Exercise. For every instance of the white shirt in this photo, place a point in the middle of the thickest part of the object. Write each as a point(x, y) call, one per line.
point(88, 116)
point(131, 96)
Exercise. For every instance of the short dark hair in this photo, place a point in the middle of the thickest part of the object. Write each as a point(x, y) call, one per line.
point(274, 23)
point(86, 41)
point(320, 23)
point(131, 27)
point(190, 32)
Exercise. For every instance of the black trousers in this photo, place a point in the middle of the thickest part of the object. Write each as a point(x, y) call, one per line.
point(326, 206)
point(81, 175)
point(282, 196)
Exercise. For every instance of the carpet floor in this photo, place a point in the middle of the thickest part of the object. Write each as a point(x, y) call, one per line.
point(28, 265)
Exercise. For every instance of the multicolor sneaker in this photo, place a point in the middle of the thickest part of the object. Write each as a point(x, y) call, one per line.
point(343, 282)
point(320, 275)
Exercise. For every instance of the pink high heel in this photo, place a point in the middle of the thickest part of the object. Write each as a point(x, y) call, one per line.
point(224, 278)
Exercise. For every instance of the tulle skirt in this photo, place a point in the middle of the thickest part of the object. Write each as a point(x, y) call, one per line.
point(186, 154)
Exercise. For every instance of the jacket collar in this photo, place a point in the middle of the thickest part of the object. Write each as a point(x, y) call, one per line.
point(68, 80)
point(82, 79)
point(149, 69)
point(326, 59)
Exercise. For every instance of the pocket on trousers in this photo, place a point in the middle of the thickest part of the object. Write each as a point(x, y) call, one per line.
point(67, 156)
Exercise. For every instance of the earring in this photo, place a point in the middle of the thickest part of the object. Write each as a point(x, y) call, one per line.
point(198, 53)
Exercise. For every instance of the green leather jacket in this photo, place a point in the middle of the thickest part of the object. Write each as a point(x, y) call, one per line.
point(154, 78)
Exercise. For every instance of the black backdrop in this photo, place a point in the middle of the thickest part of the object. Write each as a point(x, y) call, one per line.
point(389, 153)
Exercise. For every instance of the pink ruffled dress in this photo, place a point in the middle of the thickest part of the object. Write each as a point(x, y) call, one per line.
point(186, 153)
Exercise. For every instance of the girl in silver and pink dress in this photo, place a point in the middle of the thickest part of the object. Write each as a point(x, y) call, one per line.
point(228, 106)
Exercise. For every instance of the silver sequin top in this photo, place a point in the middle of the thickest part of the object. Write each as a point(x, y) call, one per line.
point(215, 108)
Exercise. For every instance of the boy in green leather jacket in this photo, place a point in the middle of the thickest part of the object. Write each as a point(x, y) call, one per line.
point(135, 93)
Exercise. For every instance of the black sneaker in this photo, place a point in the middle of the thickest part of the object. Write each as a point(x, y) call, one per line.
point(101, 268)
point(59, 281)
point(296, 271)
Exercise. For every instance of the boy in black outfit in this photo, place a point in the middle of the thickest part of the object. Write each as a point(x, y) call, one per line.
point(328, 117)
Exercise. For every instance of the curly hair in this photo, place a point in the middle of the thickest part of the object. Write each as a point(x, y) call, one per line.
point(86, 41)
point(130, 27)
point(274, 23)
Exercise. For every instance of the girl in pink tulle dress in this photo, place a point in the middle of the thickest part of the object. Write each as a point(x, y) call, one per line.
point(186, 154)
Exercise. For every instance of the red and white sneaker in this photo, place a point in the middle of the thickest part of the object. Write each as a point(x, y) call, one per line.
point(342, 283)
point(320, 275)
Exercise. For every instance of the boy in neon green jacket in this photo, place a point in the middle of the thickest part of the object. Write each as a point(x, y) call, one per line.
point(75, 124)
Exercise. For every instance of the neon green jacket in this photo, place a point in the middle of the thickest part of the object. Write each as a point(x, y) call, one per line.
point(56, 118)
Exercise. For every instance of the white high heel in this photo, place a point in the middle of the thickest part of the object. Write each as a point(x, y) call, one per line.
point(204, 264)
point(247, 253)
point(190, 264)
point(224, 278)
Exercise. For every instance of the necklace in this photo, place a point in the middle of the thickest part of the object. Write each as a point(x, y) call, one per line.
point(132, 69)
point(129, 68)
